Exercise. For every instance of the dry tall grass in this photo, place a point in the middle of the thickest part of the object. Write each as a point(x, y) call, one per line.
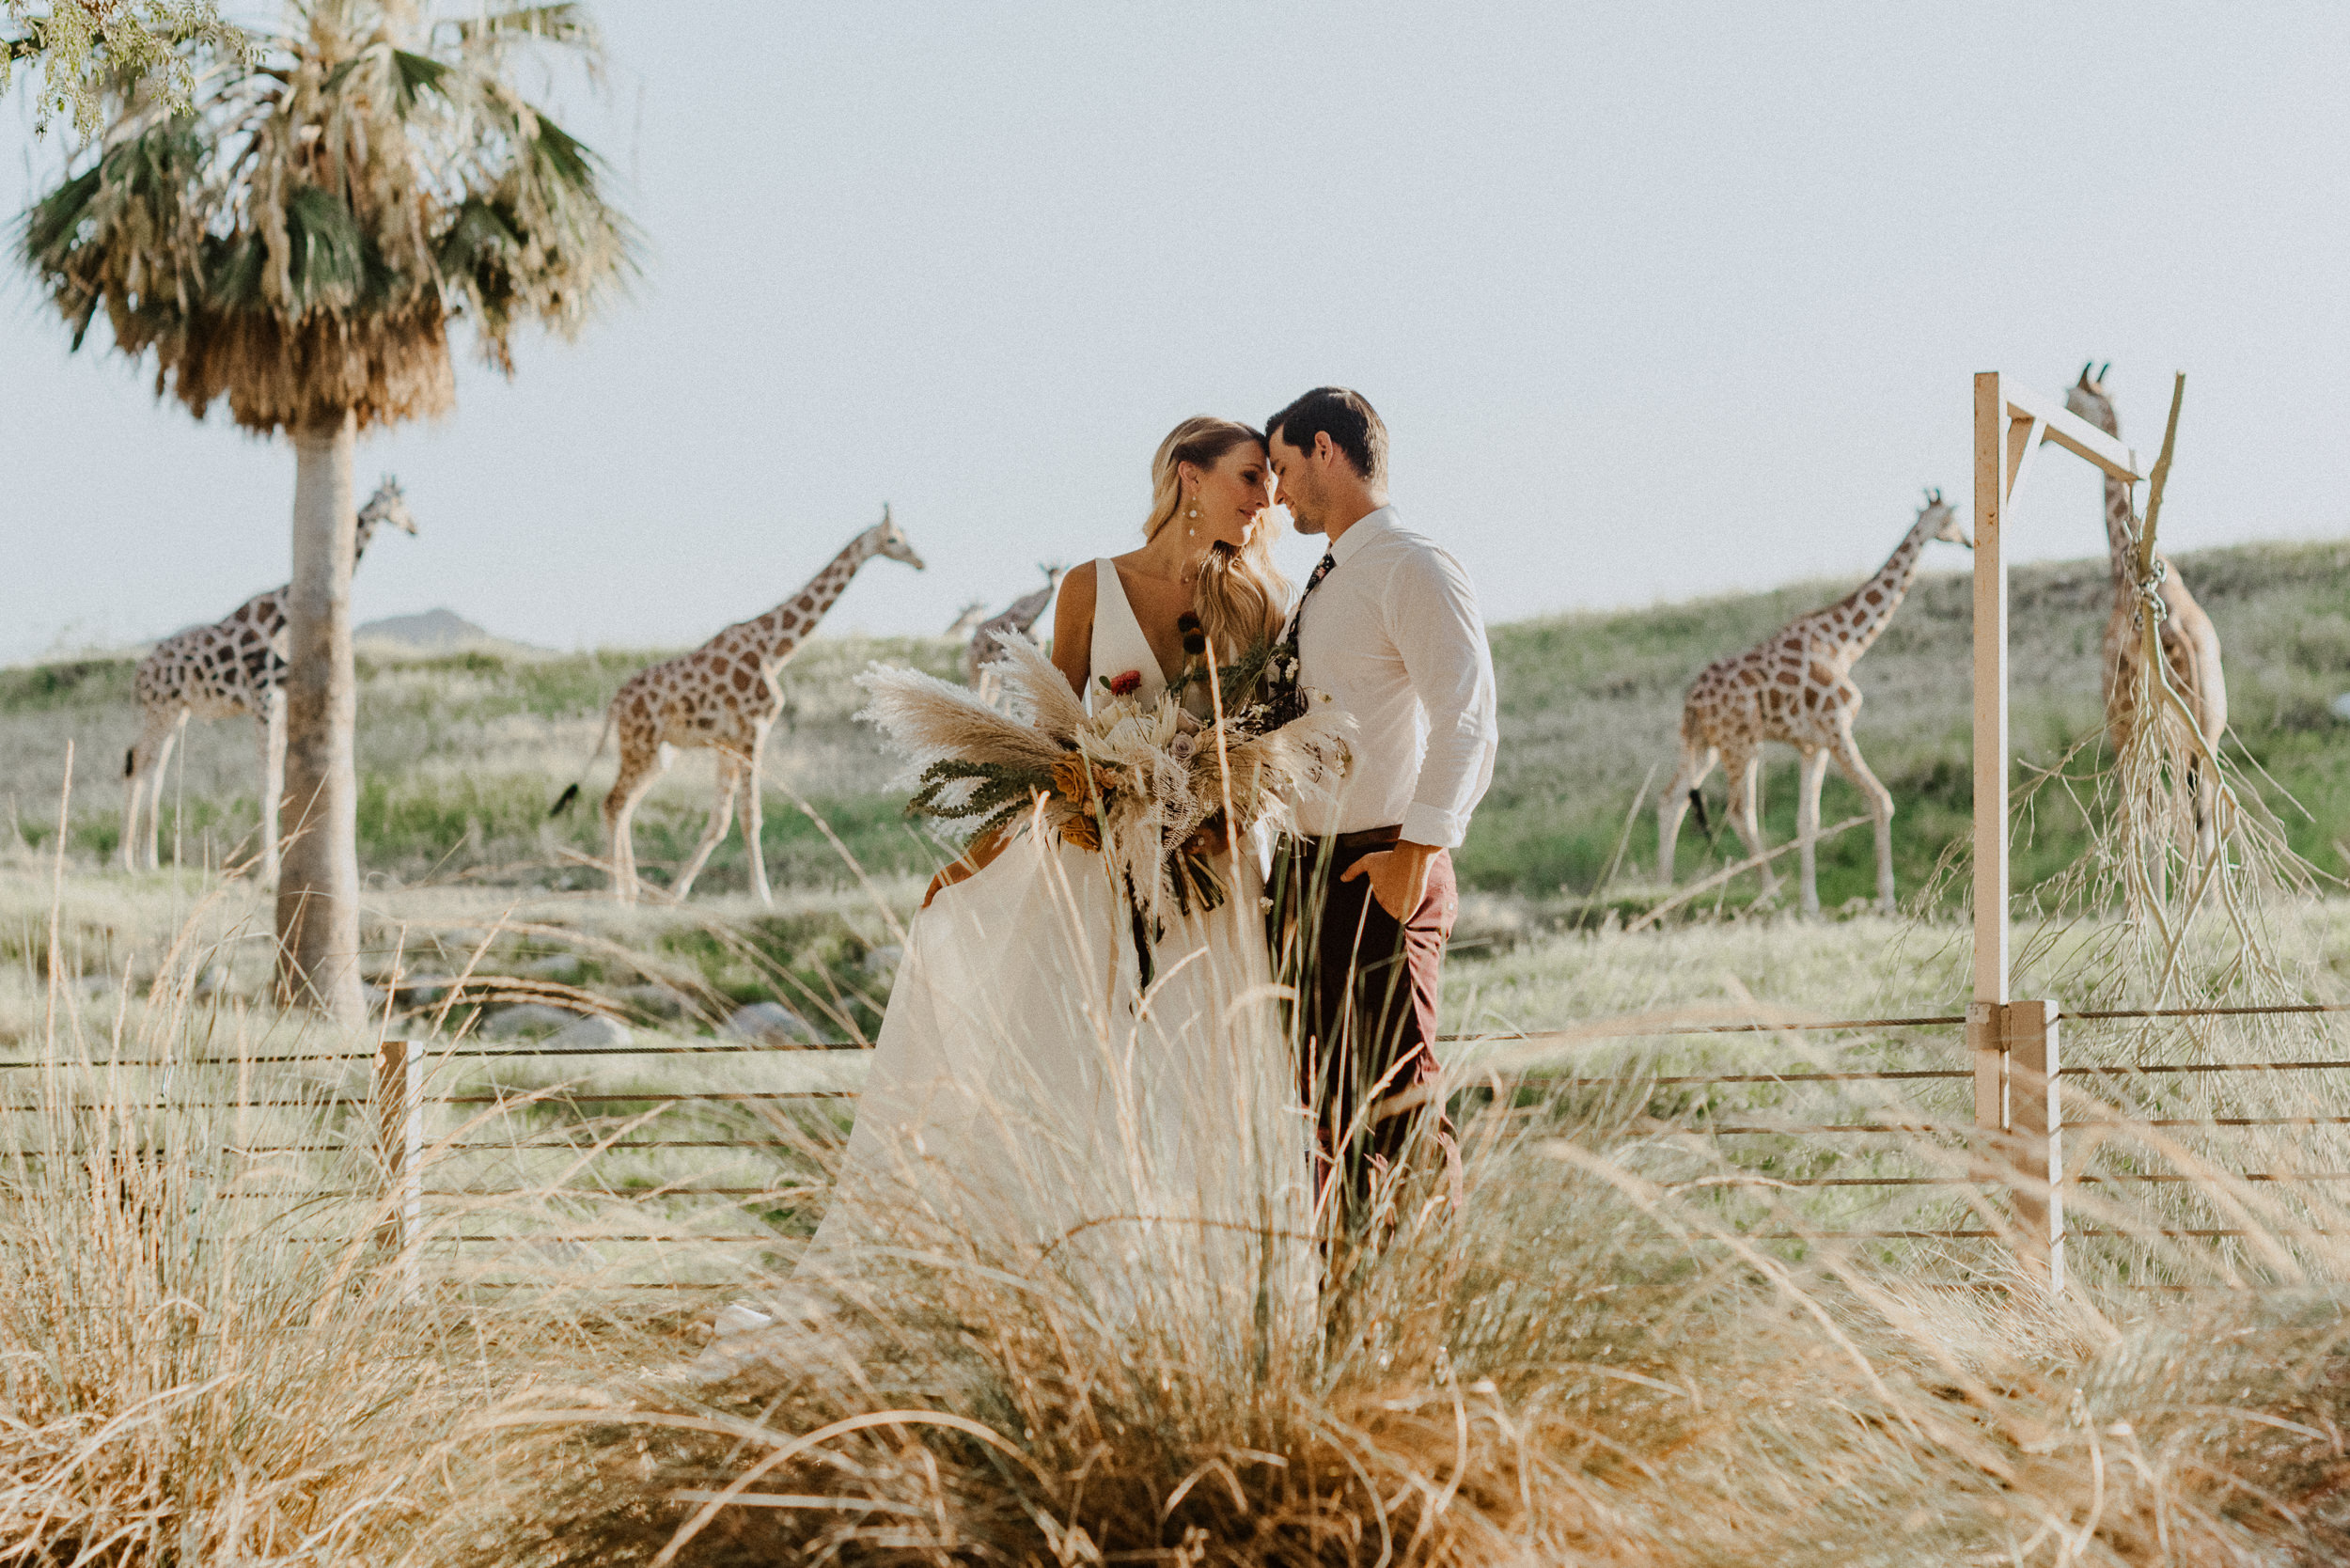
point(1586, 1365)
point(1601, 1358)
point(203, 1356)
point(1623, 1348)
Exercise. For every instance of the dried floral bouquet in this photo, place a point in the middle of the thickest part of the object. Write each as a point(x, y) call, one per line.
point(1136, 782)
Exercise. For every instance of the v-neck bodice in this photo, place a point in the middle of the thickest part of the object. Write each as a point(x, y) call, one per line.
point(1119, 643)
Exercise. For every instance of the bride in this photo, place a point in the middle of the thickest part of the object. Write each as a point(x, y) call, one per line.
point(1038, 1100)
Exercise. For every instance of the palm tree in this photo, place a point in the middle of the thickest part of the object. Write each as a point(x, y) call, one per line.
point(298, 243)
point(79, 44)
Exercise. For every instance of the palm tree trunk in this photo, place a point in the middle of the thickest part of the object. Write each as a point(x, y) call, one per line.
point(318, 884)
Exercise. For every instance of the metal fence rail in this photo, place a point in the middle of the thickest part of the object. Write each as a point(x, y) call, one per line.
point(2010, 1150)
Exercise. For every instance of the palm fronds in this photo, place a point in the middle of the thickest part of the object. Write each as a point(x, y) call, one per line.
point(299, 238)
point(82, 46)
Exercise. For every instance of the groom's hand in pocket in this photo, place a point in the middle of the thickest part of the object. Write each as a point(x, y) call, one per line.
point(1210, 840)
point(1398, 877)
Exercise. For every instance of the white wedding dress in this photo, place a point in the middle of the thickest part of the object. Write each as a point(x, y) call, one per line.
point(1030, 1105)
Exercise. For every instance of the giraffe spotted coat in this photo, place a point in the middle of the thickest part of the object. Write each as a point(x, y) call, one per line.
point(725, 697)
point(1796, 687)
point(233, 668)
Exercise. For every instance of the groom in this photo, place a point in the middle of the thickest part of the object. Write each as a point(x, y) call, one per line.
point(1364, 896)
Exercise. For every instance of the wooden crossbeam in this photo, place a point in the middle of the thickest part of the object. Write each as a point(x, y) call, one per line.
point(2071, 432)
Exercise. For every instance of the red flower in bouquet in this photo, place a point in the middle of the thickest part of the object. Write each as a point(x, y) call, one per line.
point(1124, 686)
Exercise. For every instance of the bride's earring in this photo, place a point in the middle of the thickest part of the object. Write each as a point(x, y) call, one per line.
point(1193, 512)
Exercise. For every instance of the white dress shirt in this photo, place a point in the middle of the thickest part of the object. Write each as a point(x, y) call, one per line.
point(1394, 636)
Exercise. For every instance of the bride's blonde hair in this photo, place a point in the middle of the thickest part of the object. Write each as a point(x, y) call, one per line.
point(1241, 598)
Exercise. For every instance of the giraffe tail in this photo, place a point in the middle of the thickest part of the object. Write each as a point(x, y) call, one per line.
point(1697, 804)
point(570, 791)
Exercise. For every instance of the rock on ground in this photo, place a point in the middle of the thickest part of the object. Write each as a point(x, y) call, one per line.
point(657, 1001)
point(592, 1034)
point(772, 1022)
point(422, 989)
point(526, 1018)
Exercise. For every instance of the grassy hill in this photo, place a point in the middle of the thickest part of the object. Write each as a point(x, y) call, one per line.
point(1591, 702)
point(461, 754)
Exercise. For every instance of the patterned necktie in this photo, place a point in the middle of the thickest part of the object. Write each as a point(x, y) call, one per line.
point(1285, 688)
point(1297, 615)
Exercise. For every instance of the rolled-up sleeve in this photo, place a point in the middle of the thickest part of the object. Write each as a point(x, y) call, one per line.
point(1435, 624)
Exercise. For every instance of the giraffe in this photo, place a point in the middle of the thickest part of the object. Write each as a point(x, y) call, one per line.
point(1797, 687)
point(968, 620)
point(1014, 621)
point(229, 669)
point(723, 694)
point(2190, 645)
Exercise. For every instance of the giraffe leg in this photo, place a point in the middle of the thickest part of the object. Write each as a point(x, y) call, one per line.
point(272, 777)
point(140, 768)
point(714, 832)
point(1813, 772)
point(1674, 804)
point(150, 855)
point(1880, 799)
point(1746, 811)
point(639, 767)
point(753, 824)
point(133, 784)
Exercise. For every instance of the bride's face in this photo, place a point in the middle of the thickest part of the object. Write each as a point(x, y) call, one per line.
point(1232, 497)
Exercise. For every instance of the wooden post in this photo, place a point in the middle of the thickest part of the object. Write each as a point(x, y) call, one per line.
point(2035, 1125)
point(399, 1120)
point(1986, 1013)
point(1984, 1043)
point(2014, 1044)
point(2004, 442)
point(1990, 739)
point(2021, 1120)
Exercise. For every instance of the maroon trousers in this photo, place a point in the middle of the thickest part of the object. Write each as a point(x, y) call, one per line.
point(1364, 1019)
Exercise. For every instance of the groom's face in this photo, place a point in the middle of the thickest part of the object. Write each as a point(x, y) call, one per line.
point(1300, 482)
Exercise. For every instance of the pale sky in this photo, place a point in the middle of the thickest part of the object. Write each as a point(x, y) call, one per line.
point(1657, 300)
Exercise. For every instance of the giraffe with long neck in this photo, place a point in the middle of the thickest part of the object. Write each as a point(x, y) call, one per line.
point(1797, 687)
point(2190, 644)
point(1015, 620)
point(229, 669)
point(723, 696)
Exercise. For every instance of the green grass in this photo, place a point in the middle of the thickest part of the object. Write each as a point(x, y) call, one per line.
point(1591, 702)
point(461, 754)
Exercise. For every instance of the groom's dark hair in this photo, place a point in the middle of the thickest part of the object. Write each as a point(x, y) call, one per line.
point(1347, 418)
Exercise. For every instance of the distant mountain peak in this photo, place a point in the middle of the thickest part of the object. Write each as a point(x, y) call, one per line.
point(434, 631)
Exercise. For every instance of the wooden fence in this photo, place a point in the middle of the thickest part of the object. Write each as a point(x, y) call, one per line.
point(1990, 1128)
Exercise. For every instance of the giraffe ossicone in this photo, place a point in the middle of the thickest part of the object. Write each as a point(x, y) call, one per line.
point(1796, 687)
point(722, 697)
point(233, 668)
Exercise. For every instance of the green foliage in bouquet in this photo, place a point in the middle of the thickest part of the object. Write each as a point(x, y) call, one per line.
point(956, 789)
